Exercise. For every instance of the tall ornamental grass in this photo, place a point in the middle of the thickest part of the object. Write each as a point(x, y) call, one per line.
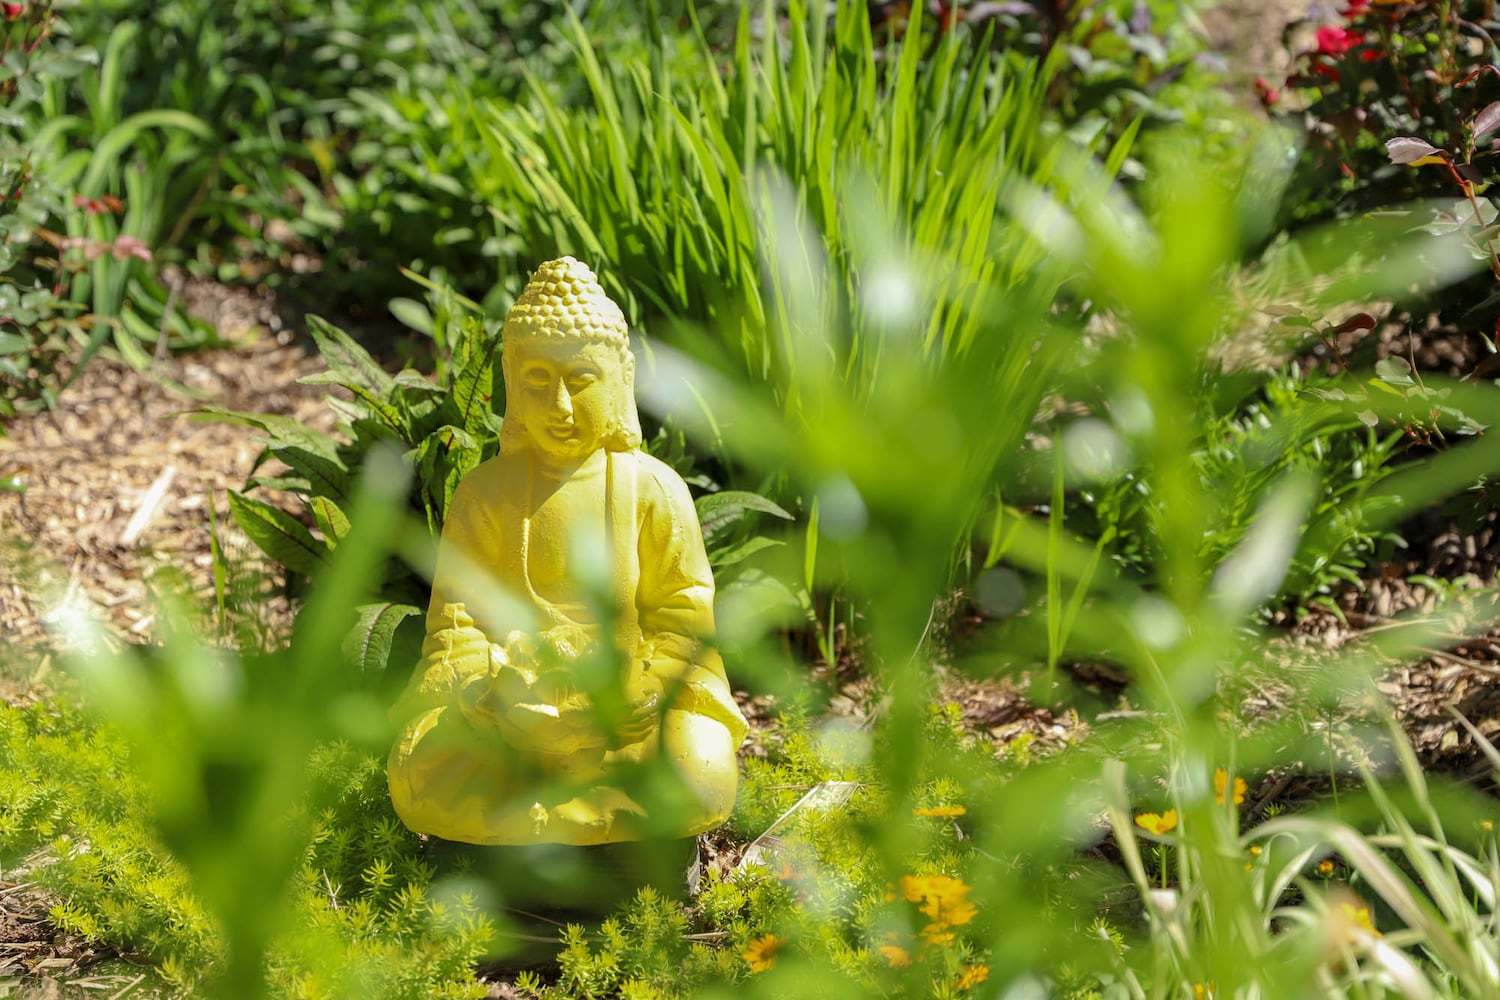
point(681, 174)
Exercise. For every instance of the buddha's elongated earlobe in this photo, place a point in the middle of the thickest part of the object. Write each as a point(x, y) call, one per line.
point(624, 431)
point(513, 427)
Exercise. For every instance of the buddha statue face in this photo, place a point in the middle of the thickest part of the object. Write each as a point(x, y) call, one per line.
point(569, 373)
point(568, 395)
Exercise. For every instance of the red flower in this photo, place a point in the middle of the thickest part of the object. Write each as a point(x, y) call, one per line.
point(1268, 94)
point(12, 10)
point(1356, 8)
point(1369, 55)
point(1335, 41)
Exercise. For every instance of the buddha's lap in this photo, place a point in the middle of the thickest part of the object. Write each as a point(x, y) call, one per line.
point(453, 758)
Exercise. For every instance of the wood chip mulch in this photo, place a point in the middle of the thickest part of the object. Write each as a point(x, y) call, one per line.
point(119, 479)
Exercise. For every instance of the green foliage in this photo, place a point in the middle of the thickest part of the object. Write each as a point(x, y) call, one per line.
point(1327, 890)
point(365, 920)
point(36, 322)
point(441, 429)
point(256, 841)
point(695, 183)
point(1382, 71)
point(1246, 449)
point(828, 908)
point(326, 132)
point(1128, 65)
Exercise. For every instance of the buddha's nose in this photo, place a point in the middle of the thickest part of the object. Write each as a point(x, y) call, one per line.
point(562, 402)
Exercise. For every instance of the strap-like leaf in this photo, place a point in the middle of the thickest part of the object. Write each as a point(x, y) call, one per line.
point(277, 534)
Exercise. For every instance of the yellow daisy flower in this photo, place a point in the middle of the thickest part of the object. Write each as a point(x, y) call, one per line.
point(1157, 824)
point(1221, 785)
point(761, 953)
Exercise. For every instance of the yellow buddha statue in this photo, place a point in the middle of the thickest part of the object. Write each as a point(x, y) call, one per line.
point(570, 551)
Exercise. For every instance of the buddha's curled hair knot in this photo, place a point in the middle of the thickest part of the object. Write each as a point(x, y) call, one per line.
point(564, 301)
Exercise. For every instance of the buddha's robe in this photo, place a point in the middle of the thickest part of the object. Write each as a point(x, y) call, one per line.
point(497, 749)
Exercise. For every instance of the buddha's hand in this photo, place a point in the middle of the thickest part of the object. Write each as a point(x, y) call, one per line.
point(566, 643)
point(644, 694)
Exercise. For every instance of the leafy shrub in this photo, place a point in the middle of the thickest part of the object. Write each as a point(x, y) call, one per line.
point(1380, 71)
point(317, 114)
point(37, 324)
point(1246, 448)
point(1127, 65)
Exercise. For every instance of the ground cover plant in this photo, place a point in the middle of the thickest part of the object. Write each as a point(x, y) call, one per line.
point(217, 809)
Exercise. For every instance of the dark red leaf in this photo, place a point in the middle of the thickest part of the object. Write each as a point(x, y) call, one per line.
point(1359, 321)
point(1409, 149)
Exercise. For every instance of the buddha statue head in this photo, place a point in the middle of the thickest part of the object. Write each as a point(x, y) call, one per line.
point(569, 374)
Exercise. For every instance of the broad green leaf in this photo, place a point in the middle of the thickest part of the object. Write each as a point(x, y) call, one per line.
point(346, 359)
point(473, 394)
point(368, 644)
point(326, 477)
point(739, 553)
point(444, 458)
point(718, 511)
point(278, 534)
point(283, 432)
point(332, 521)
point(410, 312)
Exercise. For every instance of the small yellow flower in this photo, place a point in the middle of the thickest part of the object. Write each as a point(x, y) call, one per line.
point(896, 956)
point(941, 898)
point(941, 812)
point(1152, 823)
point(761, 953)
point(1325, 867)
point(936, 936)
point(972, 976)
point(1487, 825)
point(1255, 850)
point(1221, 784)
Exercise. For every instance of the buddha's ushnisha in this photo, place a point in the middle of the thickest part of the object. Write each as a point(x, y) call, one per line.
point(500, 741)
